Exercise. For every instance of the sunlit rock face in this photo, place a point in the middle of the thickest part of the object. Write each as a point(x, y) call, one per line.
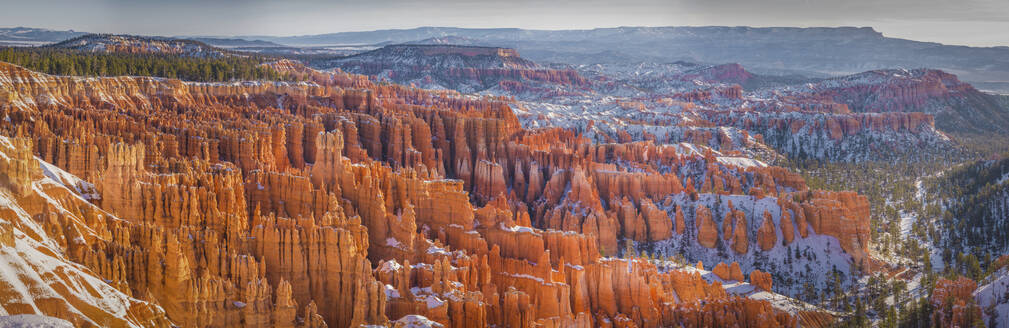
point(47, 232)
point(340, 202)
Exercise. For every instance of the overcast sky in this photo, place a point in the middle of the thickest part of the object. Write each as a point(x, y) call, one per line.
point(967, 22)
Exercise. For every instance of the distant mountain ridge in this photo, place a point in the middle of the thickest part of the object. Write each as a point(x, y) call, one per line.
point(232, 42)
point(814, 52)
point(517, 34)
point(20, 36)
point(23, 36)
point(780, 50)
point(117, 43)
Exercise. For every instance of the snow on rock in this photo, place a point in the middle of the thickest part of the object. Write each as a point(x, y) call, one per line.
point(518, 228)
point(390, 266)
point(391, 292)
point(415, 321)
point(392, 242)
point(433, 301)
point(748, 290)
point(37, 275)
point(84, 189)
point(742, 162)
point(437, 250)
point(993, 298)
point(812, 258)
point(34, 321)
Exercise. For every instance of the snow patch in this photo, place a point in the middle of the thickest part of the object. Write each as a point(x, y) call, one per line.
point(34, 321)
point(416, 321)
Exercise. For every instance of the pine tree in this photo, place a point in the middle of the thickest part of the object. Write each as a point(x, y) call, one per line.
point(860, 316)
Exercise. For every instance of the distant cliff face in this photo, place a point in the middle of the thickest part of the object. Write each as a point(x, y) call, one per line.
point(958, 106)
point(463, 68)
point(726, 73)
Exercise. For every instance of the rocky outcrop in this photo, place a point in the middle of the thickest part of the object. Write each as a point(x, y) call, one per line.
point(707, 231)
point(680, 224)
point(761, 279)
point(726, 73)
point(953, 303)
point(735, 230)
point(766, 236)
point(787, 227)
point(728, 272)
point(958, 106)
point(843, 215)
point(838, 133)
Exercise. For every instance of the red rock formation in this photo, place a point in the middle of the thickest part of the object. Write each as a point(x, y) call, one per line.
point(766, 236)
point(953, 303)
point(843, 215)
point(761, 279)
point(787, 227)
point(722, 271)
point(680, 225)
point(728, 272)
point(779, 125)
point(735, 273)
point(895, 91)
point(707, 230)
point(739, 228)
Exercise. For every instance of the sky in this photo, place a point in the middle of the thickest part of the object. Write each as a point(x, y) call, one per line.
point(962, 22)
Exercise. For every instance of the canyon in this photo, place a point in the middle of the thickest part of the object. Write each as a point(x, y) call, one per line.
point(342, 202)
point(448, 182)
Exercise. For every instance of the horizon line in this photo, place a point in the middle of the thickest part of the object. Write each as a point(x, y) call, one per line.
point(248, 36)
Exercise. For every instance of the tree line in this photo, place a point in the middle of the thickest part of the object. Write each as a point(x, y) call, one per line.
point(83, 63)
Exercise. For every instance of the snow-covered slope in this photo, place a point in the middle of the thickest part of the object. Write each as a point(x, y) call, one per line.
point(33, 321)
point(976, 196)
point(993, 298)
point(750, 290)
point(41, 219)
point(813, 259)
